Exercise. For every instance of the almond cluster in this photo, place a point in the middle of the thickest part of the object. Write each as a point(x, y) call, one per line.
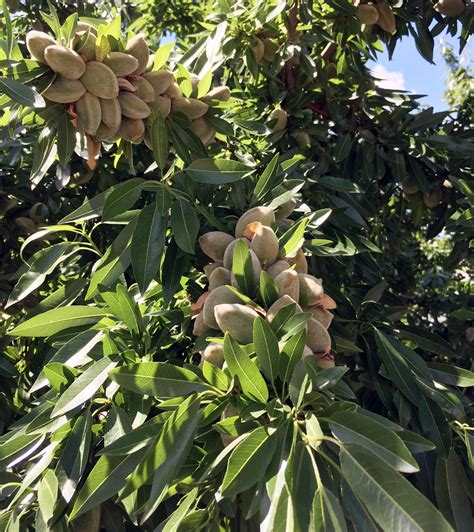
point(116, 97)
point(220, 309)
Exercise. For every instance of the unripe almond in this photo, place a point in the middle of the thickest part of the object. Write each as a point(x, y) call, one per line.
point(311, 290)
point(89, 113)
point(219, 277)
point(322, 315)
point(65, 91)
point(386, 18)
point(132, 106)
point(26, 224)
point(317, 337)
point(237, 320)
point(218, 296)
point(132, 130)
point(367, 13)
point(222, 94)
point(229, 252)
point(325, 361)
point(300, 262)
point(121, 64)
point(203, 130)
point(126, 85)
point(209, 268)
point(450, 8)
point(163, 103)
point(410, 186)
point(328, 302)
point(277, 267)
point(264, 215)
point(270, 49)
point(111, 113)
point(433, 198)
point(191, 107)
point(160, 80)
point(64, 61)
point(199, 325)
point(37, 42)
point(281, 302)
point(307, 352)
point(265, 244)
point(215, 243)
point(331, 71)
point(258, 49)
point(288, 284)
point(138, 47)
point(173, 91)
point(281, 119)
point(104, 132)
point(100, 81)
point(145, 90)
point(285, 210)
point(214, 354)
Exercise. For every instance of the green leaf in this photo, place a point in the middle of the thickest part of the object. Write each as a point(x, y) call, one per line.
point(115, 261)
point(394, 503)
point(435, 425)
point(125, 308)
point(397, 367)
point(217, 171)
point(74, 457)
point(138, 438)
point(47, 494)
point(171, 450)
point(301, 484)
point(122, 198)
point(183, 421)
point(159, 140)
point(414, 442)
point(171, 271)
point(264, 183)
point(240, 366)
point(41, 264)
point(452, 375)
point(84, 387)
point(106, 479)
point(66, 139)
point(451, 496)
point(185, 225)
point(427, 340)
point(18, 448)
point(327, 514)
point(352, 427)
point(242, 268)
point(248, 462)
point(290, 355)
point(58, 320)
point(21, 93)
point(268, 289)
point(293, 239)
point(342, 148)
point(158, 379)
point(266, 348)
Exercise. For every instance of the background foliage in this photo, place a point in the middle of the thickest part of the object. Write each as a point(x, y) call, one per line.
point(85, 434)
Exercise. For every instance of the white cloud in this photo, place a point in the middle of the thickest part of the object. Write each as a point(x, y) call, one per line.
point(388, 79)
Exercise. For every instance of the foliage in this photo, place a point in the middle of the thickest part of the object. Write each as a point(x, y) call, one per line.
point(108, 415)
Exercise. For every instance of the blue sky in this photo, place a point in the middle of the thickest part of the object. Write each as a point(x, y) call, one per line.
point(409, 71)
